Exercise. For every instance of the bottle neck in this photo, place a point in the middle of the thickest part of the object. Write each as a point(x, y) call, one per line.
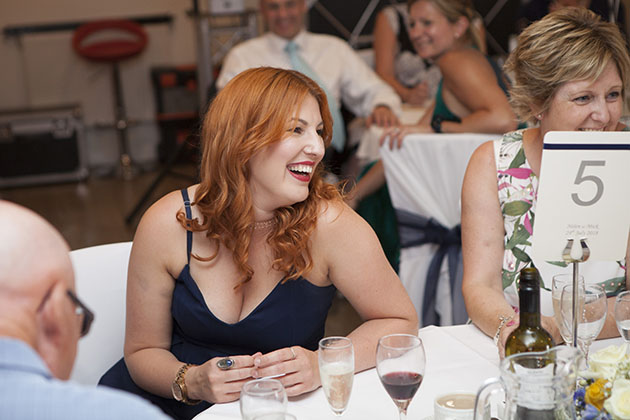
point(529, 300)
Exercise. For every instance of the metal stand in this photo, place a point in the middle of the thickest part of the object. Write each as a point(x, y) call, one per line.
point(566, 256)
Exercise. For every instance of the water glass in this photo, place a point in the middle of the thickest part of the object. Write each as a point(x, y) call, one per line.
point(622, 314)
point(336, 370)
point(262, 396)
point(591, 314)
point(557, 284)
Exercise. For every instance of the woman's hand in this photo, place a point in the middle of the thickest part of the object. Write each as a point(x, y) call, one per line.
point(298, 367)
point(550, 325)
point(505, 333)
point(547, 322)
point(396, 134)
point(417, 95)
point(209, 383)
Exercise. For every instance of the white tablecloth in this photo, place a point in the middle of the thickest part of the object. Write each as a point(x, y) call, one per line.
point(425, 177)
point(459, 358)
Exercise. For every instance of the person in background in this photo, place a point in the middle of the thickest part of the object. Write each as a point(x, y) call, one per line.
point(413, 78)
point(232, 279)
point(471, 101)
point(570, 70)
point(41, 321)
point(534, 10)
point(328, 60)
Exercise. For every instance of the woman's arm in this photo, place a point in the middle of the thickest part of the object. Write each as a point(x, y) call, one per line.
point(471, 90)
point(149, 290)
point(347, 253)
point(359, 269)
point(371, 181)
point(482, 243)
point(385, 48)
point(157, 256)
point(610, 327)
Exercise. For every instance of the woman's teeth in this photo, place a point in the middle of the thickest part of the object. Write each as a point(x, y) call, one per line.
point(305, 169)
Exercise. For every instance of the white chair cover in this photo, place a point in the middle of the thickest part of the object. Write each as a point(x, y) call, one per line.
point(101, 283)
point(424, 178)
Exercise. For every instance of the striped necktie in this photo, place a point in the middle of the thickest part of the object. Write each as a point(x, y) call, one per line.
point(298, 64)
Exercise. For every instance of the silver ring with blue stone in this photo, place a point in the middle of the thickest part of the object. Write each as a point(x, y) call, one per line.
point(226, 363)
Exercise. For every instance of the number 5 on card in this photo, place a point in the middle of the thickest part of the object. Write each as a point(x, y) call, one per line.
point(584, 193)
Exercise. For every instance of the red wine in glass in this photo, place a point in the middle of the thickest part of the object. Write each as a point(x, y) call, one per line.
point(401, 386)
point(400, 362)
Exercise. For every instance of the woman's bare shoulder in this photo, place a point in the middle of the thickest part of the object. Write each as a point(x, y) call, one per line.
point(337, 223)
point(161, 218)
point(476, 64)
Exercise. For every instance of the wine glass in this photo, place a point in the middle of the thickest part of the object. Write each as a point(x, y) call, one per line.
point(592, 311)
point(262, 396)
point(336, 370)
point(275, 416)
point(400, 361)
point(622, 314)
point(557, 284)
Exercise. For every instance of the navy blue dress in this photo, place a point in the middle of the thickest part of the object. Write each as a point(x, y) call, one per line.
point(293, 314)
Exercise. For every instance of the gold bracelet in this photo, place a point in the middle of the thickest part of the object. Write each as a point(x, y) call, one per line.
point(504, 320)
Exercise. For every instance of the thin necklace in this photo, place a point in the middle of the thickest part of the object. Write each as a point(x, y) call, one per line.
point(265, 224)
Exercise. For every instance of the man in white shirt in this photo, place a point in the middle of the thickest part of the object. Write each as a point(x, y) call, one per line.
point(345, 76)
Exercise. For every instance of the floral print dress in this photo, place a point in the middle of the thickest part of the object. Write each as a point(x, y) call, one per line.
point(518, 186)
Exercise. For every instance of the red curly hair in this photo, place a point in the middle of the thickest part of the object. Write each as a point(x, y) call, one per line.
point(249, 114)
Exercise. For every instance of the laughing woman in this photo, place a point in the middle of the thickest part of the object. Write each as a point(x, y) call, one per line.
point(570, 72)
point(232, 279)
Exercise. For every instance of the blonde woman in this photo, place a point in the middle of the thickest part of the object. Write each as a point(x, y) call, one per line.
point(569, 72)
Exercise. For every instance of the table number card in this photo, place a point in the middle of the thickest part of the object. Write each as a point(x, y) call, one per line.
point(584, 193)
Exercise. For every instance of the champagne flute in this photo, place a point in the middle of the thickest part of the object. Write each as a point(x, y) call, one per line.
point(622, 314)
point(400, 361)
point(262, 396)
point(591, 314)
point(557, 284)
point(336, 370)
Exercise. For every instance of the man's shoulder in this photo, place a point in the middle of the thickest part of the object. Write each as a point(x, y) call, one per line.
point(128, 405)
point(330, 40)
point(68, 401)
point(244, 48)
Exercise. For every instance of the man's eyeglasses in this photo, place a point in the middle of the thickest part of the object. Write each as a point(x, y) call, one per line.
point(81, 309)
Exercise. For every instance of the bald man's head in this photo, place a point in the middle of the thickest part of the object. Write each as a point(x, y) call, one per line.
point(35, 275)
point(32, 252)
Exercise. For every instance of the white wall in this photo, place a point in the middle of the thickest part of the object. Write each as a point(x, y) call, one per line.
point(43, 70)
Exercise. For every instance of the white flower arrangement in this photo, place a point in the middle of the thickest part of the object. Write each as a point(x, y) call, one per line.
point(604, 390)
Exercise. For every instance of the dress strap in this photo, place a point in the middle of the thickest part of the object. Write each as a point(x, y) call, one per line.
point(189, 234)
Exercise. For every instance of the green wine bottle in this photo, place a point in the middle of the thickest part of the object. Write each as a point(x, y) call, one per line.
point(535, 396)
point(529, 335)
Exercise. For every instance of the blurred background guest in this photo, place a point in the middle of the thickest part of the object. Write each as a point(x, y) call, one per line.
point(534, 10)
point(570, 70)
point(328, 60)
point(472, 101)
point(41, 321)
point(245, 264)
point(413, 78)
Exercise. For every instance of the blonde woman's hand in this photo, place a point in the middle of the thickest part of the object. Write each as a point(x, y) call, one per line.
point(210, 383)
point(418, 94)
point(395, 135)
point(296, 367)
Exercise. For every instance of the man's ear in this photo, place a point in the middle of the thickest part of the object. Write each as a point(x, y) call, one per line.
point(53, 332)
